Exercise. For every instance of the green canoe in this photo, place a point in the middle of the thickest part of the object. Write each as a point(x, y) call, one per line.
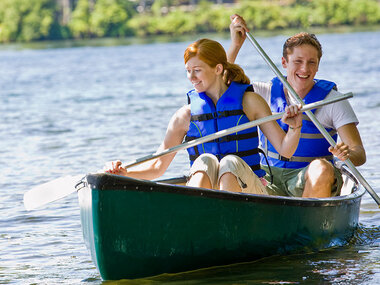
point(137, 228)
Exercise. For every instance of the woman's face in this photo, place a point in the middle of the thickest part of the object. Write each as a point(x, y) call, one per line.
point(201, 75)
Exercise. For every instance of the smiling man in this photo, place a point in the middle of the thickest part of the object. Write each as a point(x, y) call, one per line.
point(310, 171)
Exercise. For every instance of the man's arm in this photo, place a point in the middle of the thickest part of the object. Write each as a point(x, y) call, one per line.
point(352, 145)
point(238, 29)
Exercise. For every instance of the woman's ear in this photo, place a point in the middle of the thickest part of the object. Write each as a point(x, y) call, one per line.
point(219, 68)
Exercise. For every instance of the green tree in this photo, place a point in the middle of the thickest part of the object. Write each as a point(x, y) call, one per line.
point(26, 20)
point(110, 18)
point(263, 15)
point(80, 21)
point(364, 12)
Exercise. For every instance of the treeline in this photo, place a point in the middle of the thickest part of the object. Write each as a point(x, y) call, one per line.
point(30, 20)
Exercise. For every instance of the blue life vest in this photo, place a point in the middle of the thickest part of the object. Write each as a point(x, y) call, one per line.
point(206, 119)
point(312, 144)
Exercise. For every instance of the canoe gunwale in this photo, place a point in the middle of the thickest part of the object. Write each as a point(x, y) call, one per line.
point(106, 182)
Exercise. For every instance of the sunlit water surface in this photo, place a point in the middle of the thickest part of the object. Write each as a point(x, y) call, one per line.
point(68, 110)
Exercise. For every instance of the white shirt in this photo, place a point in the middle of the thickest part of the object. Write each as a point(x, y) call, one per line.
point(333, 115)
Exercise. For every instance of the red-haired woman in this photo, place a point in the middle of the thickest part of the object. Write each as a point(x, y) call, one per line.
point(222, 98)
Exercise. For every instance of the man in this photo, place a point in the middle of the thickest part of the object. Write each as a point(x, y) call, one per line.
point(310, 172)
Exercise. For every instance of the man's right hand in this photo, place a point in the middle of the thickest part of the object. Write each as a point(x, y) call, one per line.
point(238, 30)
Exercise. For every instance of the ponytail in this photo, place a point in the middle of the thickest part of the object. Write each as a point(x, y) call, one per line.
point(233, 72)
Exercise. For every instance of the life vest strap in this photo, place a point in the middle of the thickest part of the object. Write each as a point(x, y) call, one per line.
point(203, 117)
point(239, 154)
point(255, 167)
point(317, 136)
point(238, 137)
point(297, 158)
point(228, 138)
point(218, 114)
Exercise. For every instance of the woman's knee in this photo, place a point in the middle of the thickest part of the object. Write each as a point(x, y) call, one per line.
point(207, 159)
point(230, 161)
point(205, 168)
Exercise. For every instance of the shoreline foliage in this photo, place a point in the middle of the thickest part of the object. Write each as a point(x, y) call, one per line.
point(34, 20)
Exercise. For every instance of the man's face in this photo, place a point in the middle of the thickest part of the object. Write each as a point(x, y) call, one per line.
point(301, 67)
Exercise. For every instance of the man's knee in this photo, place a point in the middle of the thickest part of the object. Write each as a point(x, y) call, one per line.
point(321, 170)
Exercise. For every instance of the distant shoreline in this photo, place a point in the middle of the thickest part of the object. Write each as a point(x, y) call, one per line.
point(133, 40)
point(40, 20)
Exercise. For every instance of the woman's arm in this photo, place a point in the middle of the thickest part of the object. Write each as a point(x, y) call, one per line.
point(175, 133)
point(286, 144)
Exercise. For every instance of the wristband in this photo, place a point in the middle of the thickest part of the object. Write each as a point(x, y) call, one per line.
point(295, 127)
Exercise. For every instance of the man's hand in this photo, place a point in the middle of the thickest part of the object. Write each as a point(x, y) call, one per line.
point(238, 30)
point(341, 151)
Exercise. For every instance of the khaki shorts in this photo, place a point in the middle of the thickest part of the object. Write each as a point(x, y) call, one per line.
point(247, 179)
point(291, 182)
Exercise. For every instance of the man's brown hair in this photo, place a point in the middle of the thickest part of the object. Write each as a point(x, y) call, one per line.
point(301, 39)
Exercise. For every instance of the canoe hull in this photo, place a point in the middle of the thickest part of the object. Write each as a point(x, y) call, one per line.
point(136, 228)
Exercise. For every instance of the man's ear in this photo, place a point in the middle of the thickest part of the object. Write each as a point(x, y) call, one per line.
point(284, 62)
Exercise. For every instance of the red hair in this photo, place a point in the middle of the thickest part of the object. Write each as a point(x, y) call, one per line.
point(213, 53)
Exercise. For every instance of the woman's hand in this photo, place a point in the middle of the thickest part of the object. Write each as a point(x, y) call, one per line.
point(341, 151)
point(114, 167)
point(293, 117)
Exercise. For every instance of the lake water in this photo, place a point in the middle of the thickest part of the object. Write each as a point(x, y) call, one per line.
point(68, 109)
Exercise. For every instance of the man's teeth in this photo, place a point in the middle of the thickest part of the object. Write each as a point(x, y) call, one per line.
point(303, 76)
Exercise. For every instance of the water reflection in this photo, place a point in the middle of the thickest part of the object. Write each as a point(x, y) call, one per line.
point(333, 266)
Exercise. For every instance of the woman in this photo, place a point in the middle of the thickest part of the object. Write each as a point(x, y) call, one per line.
point(222, 98)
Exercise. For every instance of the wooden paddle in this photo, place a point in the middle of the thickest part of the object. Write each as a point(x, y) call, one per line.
point(312, 117)
point(62, 187)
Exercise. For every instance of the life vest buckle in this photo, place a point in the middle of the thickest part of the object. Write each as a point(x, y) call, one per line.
point(283, 158)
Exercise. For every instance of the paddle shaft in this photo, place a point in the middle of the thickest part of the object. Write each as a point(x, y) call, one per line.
point(312, 117)
point(62, 187)
point(233, 130)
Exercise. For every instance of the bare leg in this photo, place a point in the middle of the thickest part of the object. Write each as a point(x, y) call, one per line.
point(229, 182)
point(199, 179)
point(319, 179)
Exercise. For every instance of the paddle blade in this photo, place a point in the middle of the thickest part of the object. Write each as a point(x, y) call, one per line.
point(50, 191)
